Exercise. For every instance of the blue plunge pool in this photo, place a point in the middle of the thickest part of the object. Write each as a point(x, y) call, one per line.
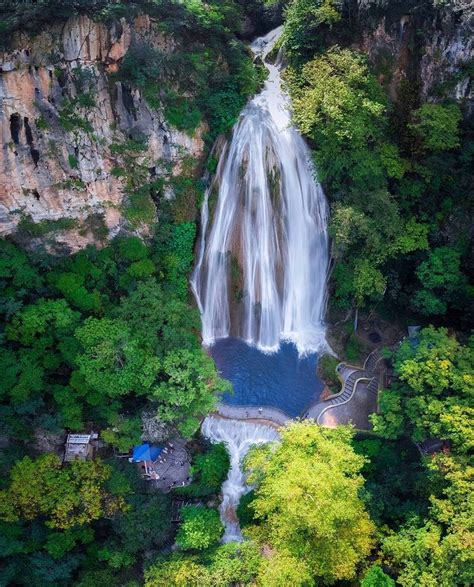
point(281, 380)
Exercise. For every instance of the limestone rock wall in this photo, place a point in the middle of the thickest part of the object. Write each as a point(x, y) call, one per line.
point(426, 43)
point(52, 163)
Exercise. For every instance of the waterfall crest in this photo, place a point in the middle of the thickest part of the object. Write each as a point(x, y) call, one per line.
point(263, 260)
point(239, 437)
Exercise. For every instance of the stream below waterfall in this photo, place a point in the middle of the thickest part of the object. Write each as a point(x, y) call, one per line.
point(261, 272)
point(238, 437)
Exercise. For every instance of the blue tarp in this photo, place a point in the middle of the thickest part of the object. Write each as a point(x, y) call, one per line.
point(146, 452)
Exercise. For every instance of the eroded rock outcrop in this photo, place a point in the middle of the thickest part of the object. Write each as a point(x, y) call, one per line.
point(57, 156)
point(429, 45)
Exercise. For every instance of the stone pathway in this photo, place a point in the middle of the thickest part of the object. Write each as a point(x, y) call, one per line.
point(264, 414)
point(357, 398)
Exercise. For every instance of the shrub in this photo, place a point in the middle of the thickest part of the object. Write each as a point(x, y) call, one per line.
point(200, 529)
point(42, 123)
point(327, 368)
point(140, 64)
point(437, 126)
point(375, 577)
point(140, 209)
point(182, 113)
point(37, 229)
point(245, 511)
point(209, 471)
point(70, 119)
point(132, 249)
point(96, 224)
point(73, 162)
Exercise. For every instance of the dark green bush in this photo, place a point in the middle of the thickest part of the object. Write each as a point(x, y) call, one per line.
point(244, 509)
point(38, 229)
point(209, 470)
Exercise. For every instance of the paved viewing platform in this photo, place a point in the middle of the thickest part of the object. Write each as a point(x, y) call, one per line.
point(357, 399)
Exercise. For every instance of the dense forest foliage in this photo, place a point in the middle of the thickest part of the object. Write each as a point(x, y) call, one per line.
point(107, 337)
point(397, 172)
point(96, 339)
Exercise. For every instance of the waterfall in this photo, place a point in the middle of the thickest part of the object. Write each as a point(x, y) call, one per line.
point(239, 437)
point(263, 259)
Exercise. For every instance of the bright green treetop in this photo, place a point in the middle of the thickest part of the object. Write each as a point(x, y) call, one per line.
point(437, 126)
point(434, 399)
point(307, 500)
point(68, 496)
point(201, 528)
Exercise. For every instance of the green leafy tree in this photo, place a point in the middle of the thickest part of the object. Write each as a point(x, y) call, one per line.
point(201, 528)
point(59, 543)
point(141, 269)
point(45, 570)
point(99, 578)
point(66, 497)
point(73, 288)
point(229, 564)
point(433, 551)
point(18, 278)
point(143, 310)
point(285, 569)
point(178, 256)
point(38, 322)
point(435, 398)
point(123, 433)
point(395, 480)
point(132, 249)
point(303, 18)
point(312, 466)
point(23, 376)
point(245, 510)
point(437, 126)
point(160, 321)
point(209, 471)
point(339, 104)
point(234, 563)
point(375, 577)
point(180, 571)
point(146, 524)
point(441, 279)
point(70, 407)
point(112, 361)
point(189, 388)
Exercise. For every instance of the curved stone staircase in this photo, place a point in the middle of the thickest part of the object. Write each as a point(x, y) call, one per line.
point(360, 386)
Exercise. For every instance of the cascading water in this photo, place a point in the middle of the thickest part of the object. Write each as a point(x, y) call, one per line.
point(239, 437)
point(263, 259)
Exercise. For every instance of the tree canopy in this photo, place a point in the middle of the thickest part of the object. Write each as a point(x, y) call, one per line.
point(435, 393)
point(306, 502)
point(66, 497)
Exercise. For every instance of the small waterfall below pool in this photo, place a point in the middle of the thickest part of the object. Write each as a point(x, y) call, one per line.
point(263, 259)
point(239, 437)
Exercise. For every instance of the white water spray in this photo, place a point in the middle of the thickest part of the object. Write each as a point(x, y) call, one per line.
point(239, 437)
point(263, 260)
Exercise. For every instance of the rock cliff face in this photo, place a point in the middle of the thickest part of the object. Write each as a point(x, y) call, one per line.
point(428, 44)
point(57, 151)
point(57, 155)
